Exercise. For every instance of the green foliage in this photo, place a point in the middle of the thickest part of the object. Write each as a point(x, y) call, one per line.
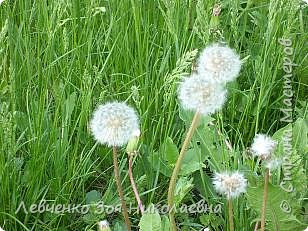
point(278, 210)
point(154, 222)
point(183, 186)
point(94, 215)
point(165, 159)
point(93, 197)
point(150, 222)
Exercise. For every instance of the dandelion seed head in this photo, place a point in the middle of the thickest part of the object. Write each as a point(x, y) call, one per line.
point(103, 225)
point(273, 164)
point(196, 93)
point(219, 63)
point(263, 146)
point(136, 133)
point(114, 124)
point(230, 185)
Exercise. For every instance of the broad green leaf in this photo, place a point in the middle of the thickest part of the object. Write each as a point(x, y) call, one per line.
point(278, 209)
point(119, 226)
point(183, 186)
point(150, 222)
point(169, 151)
point(165, 223)
point(300, 138)
point(159, 164)
point(90, 218)
point(292, 145)
point(164, 160)
point(192, 161)
point(93, 197)
point(216, 154)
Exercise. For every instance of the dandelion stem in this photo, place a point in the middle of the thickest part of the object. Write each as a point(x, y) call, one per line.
point(230, 208)
point(177, 168)
point(256, 226)
point(132, 181)
point(119, 187)
point(265, 195)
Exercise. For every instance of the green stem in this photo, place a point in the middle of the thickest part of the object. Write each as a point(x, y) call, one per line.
point(265, 195)
point(230, 208)
point(177, 168)
point(119, 187)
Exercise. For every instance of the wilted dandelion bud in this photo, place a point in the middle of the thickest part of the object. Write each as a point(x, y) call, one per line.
point(197, 93)
point(103, 226)
point(219, 63)
point(114, 124)
point(230, 185)
point(132, 145)
point(263, 146)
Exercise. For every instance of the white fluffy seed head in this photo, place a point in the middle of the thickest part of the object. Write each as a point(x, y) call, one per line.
point(219, 63)
point(263, 146)
point(103, 226)
point(114, 124)
point(272, 164)
point(196, 93)
point(230, 185)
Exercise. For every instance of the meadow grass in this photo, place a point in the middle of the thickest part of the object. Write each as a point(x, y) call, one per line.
point(60, 59)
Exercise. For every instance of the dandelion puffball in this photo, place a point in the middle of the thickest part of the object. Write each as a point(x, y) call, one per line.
point(272, 164)
point(114, 124)
point(103, 226)
point(263, 146)
point(219, 63)
point(196, 93)
point(230, 185)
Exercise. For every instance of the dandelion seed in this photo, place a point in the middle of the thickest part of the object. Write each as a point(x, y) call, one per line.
point(230, 185)
point(114, 124)
point(219, 64)
point(196, 93)
point(263, 146)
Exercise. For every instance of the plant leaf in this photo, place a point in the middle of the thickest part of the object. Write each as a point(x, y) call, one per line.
point(169, 151)
point(278, 209)
point(150, 222)
point(192, 161)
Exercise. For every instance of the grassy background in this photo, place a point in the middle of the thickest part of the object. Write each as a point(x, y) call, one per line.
point(59, 59)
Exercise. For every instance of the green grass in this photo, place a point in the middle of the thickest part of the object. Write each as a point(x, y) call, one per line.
point(59, 59)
